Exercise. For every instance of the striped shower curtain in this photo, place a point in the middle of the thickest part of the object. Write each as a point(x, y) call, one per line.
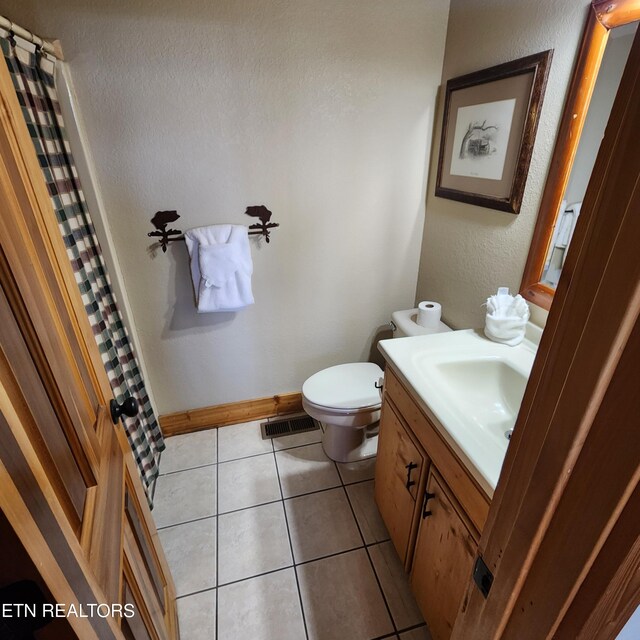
point(33, 79)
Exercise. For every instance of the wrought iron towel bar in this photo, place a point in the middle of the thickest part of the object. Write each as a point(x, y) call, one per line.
point(164, 218)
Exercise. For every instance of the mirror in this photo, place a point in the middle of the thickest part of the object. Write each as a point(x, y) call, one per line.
point(604, 92)
point(606, 42)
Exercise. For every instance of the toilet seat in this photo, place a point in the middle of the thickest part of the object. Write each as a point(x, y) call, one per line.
point(346, 401)
point(344, 389)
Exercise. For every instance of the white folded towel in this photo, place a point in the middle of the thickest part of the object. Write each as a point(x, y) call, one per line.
point(506, 319)
point(576, 206)
point(221, 267)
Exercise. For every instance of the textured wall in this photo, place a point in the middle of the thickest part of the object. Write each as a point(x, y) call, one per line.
point(321, 111)
point(469, 251)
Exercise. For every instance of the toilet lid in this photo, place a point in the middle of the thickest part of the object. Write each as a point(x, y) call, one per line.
point(345, 386)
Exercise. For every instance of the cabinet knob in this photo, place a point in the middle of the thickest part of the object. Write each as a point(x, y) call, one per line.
point(129, 407)
point(410, 467)
point(427, 496)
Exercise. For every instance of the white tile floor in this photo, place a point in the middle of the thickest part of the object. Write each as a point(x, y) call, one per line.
point(271, 540)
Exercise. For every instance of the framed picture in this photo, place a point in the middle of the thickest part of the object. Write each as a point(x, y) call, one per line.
point(490, 122)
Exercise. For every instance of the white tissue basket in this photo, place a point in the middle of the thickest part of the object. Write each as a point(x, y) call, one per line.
point(506, 319)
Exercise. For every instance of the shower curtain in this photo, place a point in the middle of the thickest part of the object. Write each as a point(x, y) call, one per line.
point(33, 78)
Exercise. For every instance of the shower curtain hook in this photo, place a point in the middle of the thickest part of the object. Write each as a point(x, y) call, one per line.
point(39, 49)
point(12, 35)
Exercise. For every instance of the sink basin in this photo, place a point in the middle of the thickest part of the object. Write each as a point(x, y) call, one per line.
point(470, 387)
point(487, 390)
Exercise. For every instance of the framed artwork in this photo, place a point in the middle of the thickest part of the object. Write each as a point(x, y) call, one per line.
point(490, 122)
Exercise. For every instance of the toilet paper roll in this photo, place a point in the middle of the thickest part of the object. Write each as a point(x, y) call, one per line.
point(429, 314)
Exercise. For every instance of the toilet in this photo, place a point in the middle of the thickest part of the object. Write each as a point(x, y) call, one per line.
point(347, 398)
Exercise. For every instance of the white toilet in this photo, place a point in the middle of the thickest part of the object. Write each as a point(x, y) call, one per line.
point(347, 398)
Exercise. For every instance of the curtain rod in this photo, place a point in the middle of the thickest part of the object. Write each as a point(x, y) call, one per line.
point(52, 47)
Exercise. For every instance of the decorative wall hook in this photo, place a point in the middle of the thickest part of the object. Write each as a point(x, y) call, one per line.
point(164, 235)
point(163, 218)
point(264, 227)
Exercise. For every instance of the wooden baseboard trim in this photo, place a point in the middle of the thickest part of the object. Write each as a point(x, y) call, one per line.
point(181, 422)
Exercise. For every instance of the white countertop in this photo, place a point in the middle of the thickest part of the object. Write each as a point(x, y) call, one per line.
point(470, 387)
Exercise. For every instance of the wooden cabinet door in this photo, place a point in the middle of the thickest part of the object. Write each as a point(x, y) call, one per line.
point(400, 472)
point(443, 561)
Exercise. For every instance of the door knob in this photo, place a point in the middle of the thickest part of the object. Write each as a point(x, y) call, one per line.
point(129, 407)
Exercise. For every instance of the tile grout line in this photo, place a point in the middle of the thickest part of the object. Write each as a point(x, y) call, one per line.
point(257, 575)
point(179, 524)
point(373, 568)
point(289, 566)
point(261, 504)
point(413, 627)
point(217, 630)
point(217, 429)
point(342, 484)
point(195, 593)
point(329, 555)
point(310, 493)
point(384, 596)
point(295, 446)
point(198, 466)
point(397, 634)
point(253, 506)
point(293, 558)
point(253, 455)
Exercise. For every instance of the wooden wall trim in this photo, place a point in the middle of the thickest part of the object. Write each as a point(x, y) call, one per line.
point(614, 14)
point(174, 424)
point(574, 114)
point(603, 16)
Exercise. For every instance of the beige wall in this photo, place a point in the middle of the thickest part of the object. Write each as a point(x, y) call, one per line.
point(322, 111)
point(469, 251)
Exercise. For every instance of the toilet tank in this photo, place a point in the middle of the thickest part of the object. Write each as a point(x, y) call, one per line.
point(404, 324)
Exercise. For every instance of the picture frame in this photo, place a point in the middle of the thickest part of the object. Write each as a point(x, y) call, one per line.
point(488, 132)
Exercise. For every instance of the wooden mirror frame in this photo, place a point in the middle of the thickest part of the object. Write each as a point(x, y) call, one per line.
point(604, 15)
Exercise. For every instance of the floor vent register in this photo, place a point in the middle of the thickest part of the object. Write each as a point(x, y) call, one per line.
point(288, 426)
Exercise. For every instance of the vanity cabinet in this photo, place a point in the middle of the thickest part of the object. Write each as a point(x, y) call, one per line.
point(435, 513)
point(445, 551)
point(400, 476)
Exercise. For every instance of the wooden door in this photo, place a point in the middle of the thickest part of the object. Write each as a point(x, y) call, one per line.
point(65, 468)
point(400, 472)
point(443, 559)
point(562, 539)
